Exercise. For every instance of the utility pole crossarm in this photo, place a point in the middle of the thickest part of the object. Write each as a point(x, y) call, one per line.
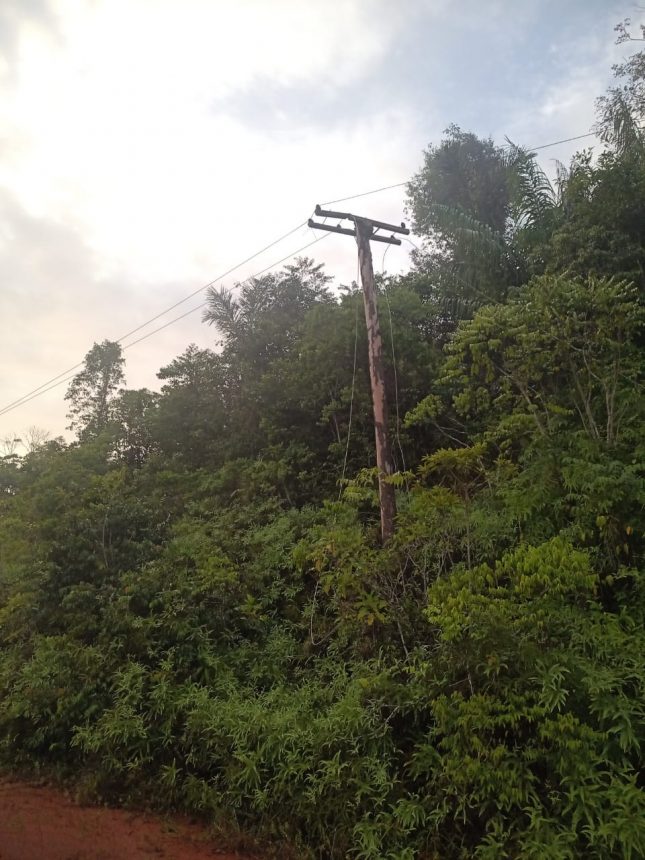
point(380, 225)
point(327, 213)
point(332, 228)
point(336, 228)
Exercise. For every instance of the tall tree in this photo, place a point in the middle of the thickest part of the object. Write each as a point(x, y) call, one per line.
point(263, 321)
point(134, 412)
point(191, 422)
point(480, 208)
point(622, 108)
point(91, 392)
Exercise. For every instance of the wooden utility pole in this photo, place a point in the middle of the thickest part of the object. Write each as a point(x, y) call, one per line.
point(365, 232)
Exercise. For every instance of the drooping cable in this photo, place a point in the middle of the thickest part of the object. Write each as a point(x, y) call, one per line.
point(246, 280)
point(401, 184)
point(364, 193)
point(28, 396)
point(394, 368)
point(56, 381)
point(44, 387)
point(215, 280)
point(351, 399)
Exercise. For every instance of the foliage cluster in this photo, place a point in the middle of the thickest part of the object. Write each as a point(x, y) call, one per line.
point(196, 612)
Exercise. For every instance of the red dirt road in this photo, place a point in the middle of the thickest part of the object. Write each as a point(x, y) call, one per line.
point(39, 823)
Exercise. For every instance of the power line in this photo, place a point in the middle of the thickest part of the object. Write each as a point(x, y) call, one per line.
point(157, 316)
point(396, 376)
point(401, 184)
point(59, 377)
point(198, 307)
point(58, 380)
point(46, 387)
point(364, 193)
point(351, 399)
point(565, 140)
point(215, 280)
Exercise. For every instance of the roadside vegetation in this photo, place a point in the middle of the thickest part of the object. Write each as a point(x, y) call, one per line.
point(196, 611)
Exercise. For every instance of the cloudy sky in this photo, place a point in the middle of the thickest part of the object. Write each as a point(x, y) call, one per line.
point(147, 146)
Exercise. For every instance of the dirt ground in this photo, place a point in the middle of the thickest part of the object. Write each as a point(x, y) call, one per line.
point(41, 823)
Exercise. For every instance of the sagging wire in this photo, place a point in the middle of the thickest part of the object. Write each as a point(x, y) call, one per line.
point(396, 378)
point(351, 399)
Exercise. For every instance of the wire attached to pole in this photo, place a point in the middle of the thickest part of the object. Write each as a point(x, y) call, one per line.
point(396, 378)
point(351, 399)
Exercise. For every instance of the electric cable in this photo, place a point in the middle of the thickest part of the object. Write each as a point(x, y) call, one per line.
point(56, 381)
point(351, 399)
point(58, 376)
point(401, 184)
point(44, 387)
point(198, 307)
point(394, 368)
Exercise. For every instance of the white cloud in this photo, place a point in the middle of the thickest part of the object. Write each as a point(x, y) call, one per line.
point(124, 187)
point(110, 123)
point(578, 71)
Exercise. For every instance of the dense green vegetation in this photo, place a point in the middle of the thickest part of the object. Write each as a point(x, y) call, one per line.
point(196, 611)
